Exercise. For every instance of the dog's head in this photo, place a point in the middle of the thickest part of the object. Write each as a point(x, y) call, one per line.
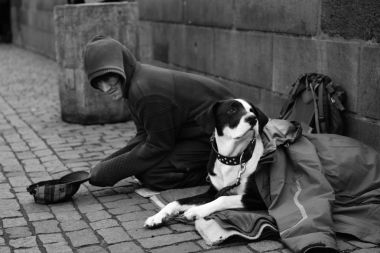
point(233, 118)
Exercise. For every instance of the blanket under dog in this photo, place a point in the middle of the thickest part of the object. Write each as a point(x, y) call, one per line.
point(223, 225)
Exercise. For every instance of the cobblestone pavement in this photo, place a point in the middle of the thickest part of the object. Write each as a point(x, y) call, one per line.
point(35, 145)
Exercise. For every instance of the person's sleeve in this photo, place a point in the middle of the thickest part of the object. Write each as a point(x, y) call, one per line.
point(160, 120)
point(140, 136)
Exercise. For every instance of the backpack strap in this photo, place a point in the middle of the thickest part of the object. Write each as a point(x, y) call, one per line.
point(335, 100)
point(321, 108)
point(296, 89)
point(316, 109)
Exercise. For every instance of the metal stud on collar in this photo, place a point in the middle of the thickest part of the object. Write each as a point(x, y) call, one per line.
point(234, 160)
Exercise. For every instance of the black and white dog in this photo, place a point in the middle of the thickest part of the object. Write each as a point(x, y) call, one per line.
point(236, 151)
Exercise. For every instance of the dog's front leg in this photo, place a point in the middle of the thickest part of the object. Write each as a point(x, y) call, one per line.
point(176, 207)
point(170, 210)
point(219, 204)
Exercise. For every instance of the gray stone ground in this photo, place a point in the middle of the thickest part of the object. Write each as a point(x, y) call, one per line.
point(35, 145)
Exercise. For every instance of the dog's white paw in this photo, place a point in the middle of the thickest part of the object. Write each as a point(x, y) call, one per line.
point(154, 221)
point(196, 213)
point(165, 214)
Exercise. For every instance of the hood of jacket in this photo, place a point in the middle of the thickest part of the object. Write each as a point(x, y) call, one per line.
point(104, 55)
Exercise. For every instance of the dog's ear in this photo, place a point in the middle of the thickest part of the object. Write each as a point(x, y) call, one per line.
point(261, 117)
point(206, 119)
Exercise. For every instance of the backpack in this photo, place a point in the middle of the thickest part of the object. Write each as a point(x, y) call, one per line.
point(317, 103)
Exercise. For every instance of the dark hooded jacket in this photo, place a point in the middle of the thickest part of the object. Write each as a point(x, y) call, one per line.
point(164, 103)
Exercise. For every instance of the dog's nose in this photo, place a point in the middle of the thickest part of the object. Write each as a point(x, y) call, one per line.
point(251, 120)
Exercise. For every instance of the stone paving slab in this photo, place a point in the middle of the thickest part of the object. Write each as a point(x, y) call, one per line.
point(35, 145)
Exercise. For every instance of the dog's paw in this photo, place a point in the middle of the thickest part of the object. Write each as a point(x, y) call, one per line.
point(154, 221)
point(196, 213)
point(162, 216)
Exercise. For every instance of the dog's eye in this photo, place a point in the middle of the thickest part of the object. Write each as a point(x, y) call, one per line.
point(232, 110)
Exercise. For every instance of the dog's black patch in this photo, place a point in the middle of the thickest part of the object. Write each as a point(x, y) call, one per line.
point(200, 199)
point(228, 113)
point(252, 199)
point(211, 164)
point(261, 117)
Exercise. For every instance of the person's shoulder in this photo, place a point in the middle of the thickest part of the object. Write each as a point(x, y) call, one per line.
point(191, 77)
point(149, 80)
point(160, 73)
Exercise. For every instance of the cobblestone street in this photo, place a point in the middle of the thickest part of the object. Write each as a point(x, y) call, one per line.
point(36, 145)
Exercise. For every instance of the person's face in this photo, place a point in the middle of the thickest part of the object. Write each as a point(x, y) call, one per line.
point(109, 84)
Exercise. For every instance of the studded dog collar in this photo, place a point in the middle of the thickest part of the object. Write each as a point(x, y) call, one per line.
point(234, 160)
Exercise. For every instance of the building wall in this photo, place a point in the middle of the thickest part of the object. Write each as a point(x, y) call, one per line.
point(33, 25)
point(260, 47)
point(257, 47)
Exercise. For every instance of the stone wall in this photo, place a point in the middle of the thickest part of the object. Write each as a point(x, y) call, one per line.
point(75, 25)
point(33, 25)
point(260, 47)
point(257, 47)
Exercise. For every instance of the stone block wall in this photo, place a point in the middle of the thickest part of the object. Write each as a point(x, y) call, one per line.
point(257, 47)
point(260, 47)
point(75, 25)
point(33, 25)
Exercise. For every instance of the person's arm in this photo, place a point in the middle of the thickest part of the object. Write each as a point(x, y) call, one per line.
point(139, 138)
point(160, 119)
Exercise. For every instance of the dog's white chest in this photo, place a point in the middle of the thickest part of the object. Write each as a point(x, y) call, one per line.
point(227, 175)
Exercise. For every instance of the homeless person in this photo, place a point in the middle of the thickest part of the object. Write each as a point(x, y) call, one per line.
point(170, 150)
